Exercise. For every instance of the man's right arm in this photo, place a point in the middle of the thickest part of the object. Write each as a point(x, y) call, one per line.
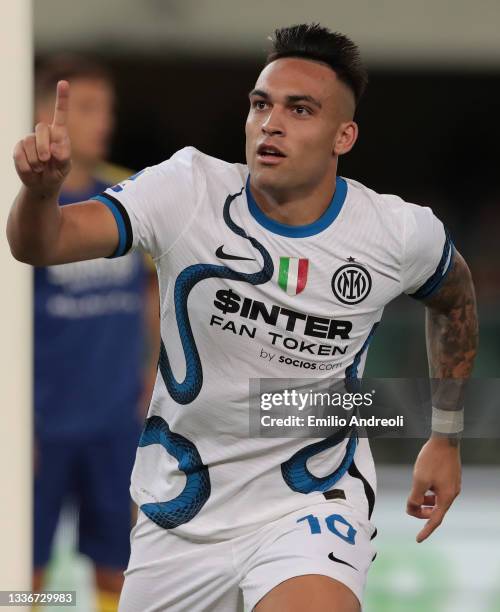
point(39, 231)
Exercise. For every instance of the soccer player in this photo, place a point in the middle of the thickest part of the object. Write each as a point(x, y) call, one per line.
point(254, 263)
point(90, 330)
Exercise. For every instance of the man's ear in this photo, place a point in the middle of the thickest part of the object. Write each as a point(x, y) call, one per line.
point(345, 138)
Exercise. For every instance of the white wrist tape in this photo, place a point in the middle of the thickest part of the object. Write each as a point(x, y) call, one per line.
point(447, 421)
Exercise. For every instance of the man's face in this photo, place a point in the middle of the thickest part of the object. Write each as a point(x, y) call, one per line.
point(298, 108)
point(90, 117)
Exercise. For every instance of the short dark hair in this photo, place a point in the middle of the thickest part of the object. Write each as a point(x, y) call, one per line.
point(67, 67)
point(312, 41)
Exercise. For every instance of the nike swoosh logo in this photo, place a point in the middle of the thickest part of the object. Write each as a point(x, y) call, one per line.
point(332, 557)
point(221, 255)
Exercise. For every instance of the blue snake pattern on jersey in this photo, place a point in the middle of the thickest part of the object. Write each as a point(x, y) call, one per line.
point(186, 391)
point(181, 509)
point(191, 499)
point(296, 474)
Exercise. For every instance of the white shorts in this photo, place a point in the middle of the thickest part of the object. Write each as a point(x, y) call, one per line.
point(167, 572)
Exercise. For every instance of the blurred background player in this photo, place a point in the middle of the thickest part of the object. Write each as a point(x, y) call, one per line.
point(92, 376)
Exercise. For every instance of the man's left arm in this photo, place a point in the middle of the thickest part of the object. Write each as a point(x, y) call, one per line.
point(452, 337)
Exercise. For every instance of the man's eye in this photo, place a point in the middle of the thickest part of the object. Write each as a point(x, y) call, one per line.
point(259, 104)
point(302, 110)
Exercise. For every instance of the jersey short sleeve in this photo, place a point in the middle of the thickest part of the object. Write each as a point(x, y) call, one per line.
point(155, 206)
point(428, 252)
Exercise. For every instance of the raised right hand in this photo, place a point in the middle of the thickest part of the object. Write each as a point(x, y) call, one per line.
point(43, 159)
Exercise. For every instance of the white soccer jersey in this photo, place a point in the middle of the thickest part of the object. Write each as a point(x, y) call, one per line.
point(245, 297)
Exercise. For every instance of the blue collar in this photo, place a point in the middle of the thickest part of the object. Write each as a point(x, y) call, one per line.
point(300, 231)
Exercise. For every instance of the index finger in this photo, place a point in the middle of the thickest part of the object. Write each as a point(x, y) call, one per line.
point(62, 103)
point(435, 519)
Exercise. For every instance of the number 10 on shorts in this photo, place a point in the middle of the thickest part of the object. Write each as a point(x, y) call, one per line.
point(335, 523)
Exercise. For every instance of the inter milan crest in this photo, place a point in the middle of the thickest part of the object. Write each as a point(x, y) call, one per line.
point(351, 283)
point(292, 275)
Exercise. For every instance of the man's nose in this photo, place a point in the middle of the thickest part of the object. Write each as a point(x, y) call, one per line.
point(273, 125)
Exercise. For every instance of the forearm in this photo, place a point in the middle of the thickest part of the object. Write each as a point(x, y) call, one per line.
point(452, 340)
point(33, 225)
point(451, 349)
point(452, 337)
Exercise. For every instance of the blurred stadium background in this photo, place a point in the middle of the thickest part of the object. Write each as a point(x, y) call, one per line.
point(429, 132)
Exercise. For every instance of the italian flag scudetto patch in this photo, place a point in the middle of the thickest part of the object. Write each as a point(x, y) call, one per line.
point(292, 276)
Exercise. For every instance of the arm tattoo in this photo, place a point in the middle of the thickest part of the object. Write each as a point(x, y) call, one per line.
point(452, 336)
point(452, 327)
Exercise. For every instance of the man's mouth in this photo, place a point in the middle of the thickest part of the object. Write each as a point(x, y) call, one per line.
point(269, 154)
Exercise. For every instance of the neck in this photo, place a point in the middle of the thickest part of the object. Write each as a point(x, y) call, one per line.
point(300, 207)
point(80, 176)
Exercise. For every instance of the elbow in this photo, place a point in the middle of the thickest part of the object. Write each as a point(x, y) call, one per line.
point(26, 259)
point(15, 247)
point(22, 254)
point(29, 257)
point(21, 251)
